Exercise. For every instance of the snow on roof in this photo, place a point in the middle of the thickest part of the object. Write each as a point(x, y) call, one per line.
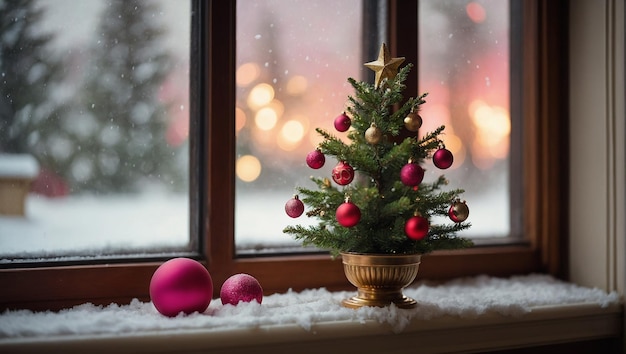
point(18, 166)
point(466, 298)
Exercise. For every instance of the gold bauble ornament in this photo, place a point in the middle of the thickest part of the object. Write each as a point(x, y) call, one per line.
point(413, 122)
point(373, 134)
point(458, 211)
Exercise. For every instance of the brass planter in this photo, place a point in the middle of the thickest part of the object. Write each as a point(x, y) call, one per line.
point(380, 278)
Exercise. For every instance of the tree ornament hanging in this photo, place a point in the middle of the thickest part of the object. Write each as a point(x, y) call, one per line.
point(416, 228)
point(443, 158)
point(315, 159)
point(294, 207)
point(343, 173)
point(373, 134)
point(458, 211)
point(413, 122)
point(411, 174)
point(348, 214)
point(342, 122)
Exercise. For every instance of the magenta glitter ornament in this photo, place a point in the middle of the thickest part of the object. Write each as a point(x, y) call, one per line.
point(342, 122)
point(241, 287)
point(294, 207)
point(443, 158)
point(348, 214)
point(416, 228)
point(343, 173)
point(315, 159)
point(181, 285)
point(411, 174)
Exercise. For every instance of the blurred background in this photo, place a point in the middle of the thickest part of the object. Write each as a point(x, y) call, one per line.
point(94, 115)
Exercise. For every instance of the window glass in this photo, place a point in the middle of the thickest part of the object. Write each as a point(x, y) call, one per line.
point(464, 66)
point(293, 62)
point(94, 123)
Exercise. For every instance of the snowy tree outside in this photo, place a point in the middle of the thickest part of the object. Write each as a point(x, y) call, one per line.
point(98, 93)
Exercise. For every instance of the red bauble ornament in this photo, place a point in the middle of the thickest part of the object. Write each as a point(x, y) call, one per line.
point(443, 158)
point(411, 174)
point(342, 122)
point(181, 285)
point(343, 173)
point(294, 207)
point(458, 211)
point(348, 214)
point(241, 287)
point(416, 228)
point(315, 159)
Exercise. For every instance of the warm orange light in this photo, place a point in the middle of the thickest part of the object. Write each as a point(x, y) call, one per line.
point(455, 145)
point(248, 168)
point(260, 95)
point(240, 119)
point(476, 12)
point(247, 73)
point(297, 85)
point(266, 118)
point(493, 127)
point(292, 131)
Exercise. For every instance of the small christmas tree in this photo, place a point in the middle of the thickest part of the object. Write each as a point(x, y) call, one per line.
point(379, 203)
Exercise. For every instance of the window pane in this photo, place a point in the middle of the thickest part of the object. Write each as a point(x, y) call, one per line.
point(464, 65)
point(94, 127)
point(293, 61)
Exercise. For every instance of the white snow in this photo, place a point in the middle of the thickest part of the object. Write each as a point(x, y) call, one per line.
point(18, 165)
point(463, 298)
point(91, 225)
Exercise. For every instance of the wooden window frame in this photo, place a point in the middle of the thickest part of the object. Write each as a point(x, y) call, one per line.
point(544, 158)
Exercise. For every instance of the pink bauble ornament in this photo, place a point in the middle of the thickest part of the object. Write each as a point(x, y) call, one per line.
point(294, 207)
point(342, 122)
point(181, 285)
point(443, 158)
point(343, 173)
point(411, 174)
point(348, 214)
point(416, 228)
point(315, 159)
point(241, 287)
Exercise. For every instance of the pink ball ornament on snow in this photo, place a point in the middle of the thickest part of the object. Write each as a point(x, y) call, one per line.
point(181, 285)
point(315, 159)
point(241, 287)
point(342, 122)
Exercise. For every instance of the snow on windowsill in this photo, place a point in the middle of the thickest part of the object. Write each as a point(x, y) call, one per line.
point(465, 299)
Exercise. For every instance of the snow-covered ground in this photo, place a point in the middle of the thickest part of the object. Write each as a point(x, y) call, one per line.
point(92, 225)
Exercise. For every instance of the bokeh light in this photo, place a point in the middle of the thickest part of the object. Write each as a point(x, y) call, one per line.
point(248, 168)
point(247, 74)
point(476, 12)
point(266, 118)
point(260, 95)
point(297, 85)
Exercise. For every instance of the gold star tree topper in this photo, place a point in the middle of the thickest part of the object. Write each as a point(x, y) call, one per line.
point(385, 66)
